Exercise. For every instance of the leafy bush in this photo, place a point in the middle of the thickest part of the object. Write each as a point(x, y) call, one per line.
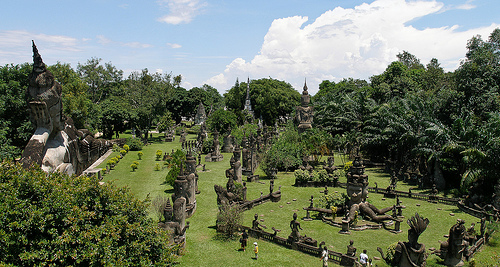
point(115, 148)
point(174, 163)
point(140, 154)
point(285, 154)
point(123, 152)
point(229, 219)
point(194, 129)
point(134, 144)
point(158, 154)
point(332, 200)
point(133, 166)
point(55, 219)
point(126, 147)
point(157, 167)
point(301, 176)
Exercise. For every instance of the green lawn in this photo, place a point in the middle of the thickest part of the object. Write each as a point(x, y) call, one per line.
point(205, 249)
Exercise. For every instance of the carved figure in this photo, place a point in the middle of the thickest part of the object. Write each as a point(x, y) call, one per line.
point(452, 250)
point(56, 144)
point(357, 183)
point(351, 250)
point(295, 226)
point(304, 111)
point(411, 253)
point(256, 224)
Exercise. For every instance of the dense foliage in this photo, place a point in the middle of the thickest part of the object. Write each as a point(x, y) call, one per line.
point(55, 219)
point(426, 121)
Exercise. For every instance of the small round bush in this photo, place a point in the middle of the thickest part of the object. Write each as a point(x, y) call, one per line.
point(139, 155)
point(126, 147)
point(159, 153)
point(133, 166)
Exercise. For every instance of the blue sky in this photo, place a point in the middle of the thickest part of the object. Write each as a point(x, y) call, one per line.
point(217, 41)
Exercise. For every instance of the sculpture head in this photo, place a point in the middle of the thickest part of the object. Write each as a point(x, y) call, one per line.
point(417, 226)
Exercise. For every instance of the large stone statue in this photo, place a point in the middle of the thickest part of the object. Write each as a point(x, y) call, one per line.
point(304, 111)
point(411, 253)
point(452, 250)
point(56, 144)
point(357, 183)
point(201, 116)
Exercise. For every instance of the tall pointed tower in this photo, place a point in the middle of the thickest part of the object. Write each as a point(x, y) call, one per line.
point(248, 104)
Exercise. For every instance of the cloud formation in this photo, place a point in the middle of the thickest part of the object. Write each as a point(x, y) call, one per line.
point(173, 45)
point(181, 11)
point(357, 42)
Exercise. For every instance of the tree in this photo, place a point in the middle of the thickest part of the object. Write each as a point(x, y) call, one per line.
point(62, 220)
point(114, 111)
point(147, 95)
point(178, 104)
point(207, 95)
point(222, 121)
point(15, 126)
point(270, 98)
point(99, 78)
point(76, 103)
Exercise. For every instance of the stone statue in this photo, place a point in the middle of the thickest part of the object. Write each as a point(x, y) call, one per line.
point(56, 144)
point(201, 116)
point(357, 183)
point(295, 226)
point(351, 250)
point(304, 111)
point(452, 250)
point(256, 224)
point(411, 253)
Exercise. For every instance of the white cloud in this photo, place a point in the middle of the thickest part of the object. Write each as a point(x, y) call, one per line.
point(181, 11)
point(15, 46)
point(357, 42)
point(174, 46)
point(137, 45)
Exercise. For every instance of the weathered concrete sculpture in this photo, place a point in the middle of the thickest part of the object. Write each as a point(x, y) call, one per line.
point(201, 116)
point(175, 221)
point(357, 183)
point(56, 144)
point(452, 250)
point(411, 253)
point(305, 113)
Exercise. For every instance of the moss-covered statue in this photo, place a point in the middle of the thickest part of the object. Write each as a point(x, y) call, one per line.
point(411, 253)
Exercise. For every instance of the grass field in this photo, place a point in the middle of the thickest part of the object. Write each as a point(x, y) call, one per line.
point(205, 248)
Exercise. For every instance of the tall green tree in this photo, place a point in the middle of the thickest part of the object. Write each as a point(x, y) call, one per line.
point(76, 103)
point(15, 126)
point(270, 98)
point(99, 78)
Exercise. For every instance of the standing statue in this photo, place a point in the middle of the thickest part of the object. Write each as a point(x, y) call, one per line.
point(411, 253)
point(295, 226)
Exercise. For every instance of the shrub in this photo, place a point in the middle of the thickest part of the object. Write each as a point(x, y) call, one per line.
point(301, 176)
point(140, 154)
point(75, 221)
point(157, 167)
point(134, 144)
point(116, 148)
point(229, 219)
point(126, 147)
point(332, 200)
point(194, 129)
point(133, 166)
point(174, 163)
point(347, 166)
point(123, 152)
point(158, 154)
point(322, 176)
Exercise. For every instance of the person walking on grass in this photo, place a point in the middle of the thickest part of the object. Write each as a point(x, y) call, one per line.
point(363, 258)
point(256, 250)
point(324, 256)
point(243, 240)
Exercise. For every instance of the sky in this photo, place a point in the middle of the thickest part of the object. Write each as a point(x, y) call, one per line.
point(216, 42)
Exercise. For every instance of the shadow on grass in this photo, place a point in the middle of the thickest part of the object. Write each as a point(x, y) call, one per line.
point(169, 191)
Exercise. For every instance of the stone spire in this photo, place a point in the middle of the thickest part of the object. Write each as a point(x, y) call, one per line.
point(248, 104)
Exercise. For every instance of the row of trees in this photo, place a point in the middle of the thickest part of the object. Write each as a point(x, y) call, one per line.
point(425, 119)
